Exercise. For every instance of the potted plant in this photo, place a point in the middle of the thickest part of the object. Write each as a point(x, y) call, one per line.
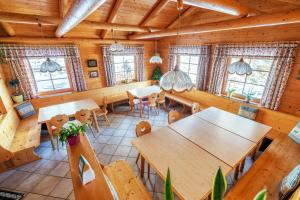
point(230, 92)
point(249, 95)
point(156, 74)
point(127, 70)
point(71, 133)
point(17, 97)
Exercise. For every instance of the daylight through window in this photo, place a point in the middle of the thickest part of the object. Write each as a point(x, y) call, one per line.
point(189, 64)
point(124, 68)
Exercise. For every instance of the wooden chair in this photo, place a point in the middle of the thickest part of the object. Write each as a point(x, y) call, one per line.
point(85, 117)
point(103, 111)
point(57, 123)
point(143, 128)
point(133, 102)
point(161, 100)
point(150, 103)
point(173, 116)
point(195, 108)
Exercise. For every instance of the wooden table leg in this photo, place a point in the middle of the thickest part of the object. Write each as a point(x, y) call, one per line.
point(141, 107)
point(50, 134)
point(242, 165)
point(236, 172)
point(96, 121)
point(142, 166)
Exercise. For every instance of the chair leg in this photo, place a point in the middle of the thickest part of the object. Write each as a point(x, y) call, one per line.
point(57, 143)
point(148, 170)
point(107, 120)
point(137, 158)
point(92, 130)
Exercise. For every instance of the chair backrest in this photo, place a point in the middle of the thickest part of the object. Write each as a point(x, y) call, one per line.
point(58, 121)
point(142, 128)
point(84, 116)
point(161, 96)
point(152, 99)
point(195, 108)
point(173, 116)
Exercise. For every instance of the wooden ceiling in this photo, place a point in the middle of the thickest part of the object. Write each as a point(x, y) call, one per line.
point(129, 12)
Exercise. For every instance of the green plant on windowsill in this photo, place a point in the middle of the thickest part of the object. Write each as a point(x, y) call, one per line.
point(249, 95)
point(230, 92)
point(71, 134)
point(17, 96)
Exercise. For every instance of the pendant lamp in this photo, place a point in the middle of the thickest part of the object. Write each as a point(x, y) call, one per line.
point(156, 59)
point(240, 67)
point(115, 47)
point(176, 80)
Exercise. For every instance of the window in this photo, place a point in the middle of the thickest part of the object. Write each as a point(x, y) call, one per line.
point(50, 83)
point(189, 64)
point(254, 83)
point(124, 68)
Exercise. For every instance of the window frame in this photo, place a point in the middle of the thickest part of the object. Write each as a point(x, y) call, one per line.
point(135, 69)
point(61, 91)
point(178, 60)
point(236, 95)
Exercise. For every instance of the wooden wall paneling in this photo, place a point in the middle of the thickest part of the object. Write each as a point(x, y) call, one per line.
point(8, 28)
point(291, 99)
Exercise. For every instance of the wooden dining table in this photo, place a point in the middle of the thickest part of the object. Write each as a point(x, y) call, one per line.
point(144, 92)
point(194, 147)
point(69, 108)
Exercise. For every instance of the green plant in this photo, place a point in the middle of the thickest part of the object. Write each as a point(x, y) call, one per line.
point(230, 92)
point(73, 130)
point(156, 74)
point(249, 95)
point(262, 195)
point(219, 186)
point(2, 57)
point(168, 187)
point(14, 84)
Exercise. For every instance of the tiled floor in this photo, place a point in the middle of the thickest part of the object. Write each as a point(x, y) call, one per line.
point(49, 178)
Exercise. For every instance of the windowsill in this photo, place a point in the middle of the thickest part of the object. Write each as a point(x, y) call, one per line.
point(53, 95)
point(240, 100)
point(123, 83)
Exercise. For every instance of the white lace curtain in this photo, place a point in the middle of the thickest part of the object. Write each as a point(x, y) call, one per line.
point(203, 51)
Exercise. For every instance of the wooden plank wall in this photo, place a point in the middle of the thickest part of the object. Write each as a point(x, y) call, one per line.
point(290, 102)
point(92, 50)
point(8, 122)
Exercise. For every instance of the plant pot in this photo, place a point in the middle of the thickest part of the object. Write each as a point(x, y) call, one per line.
point(73, 140)
point(18, 98)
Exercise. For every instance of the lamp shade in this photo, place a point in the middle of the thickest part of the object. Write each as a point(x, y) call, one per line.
point(240, 67)
point(176, 80)
point(116, 47)
point(50, 66)
point(156, 59)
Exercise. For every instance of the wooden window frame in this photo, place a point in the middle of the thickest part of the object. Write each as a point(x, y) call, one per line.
point(54, 92)
point(135, 70)
point(189, 63)
point(237, 96)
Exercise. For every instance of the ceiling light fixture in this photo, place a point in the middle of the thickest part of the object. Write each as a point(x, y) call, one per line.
point(116, 47)
point(156, 59)
point(176, 80)
point(240, 67)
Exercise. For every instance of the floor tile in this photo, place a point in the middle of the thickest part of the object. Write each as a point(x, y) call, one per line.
point(47, 167)
point(30, 182)
point(122, 151)
point(31, 167)
point(104, 158)
point(46, 185)
point(60, 170)
point(109, 149)
point(126, 141)
point(103, 138)
point(16, 178)
point(114, 140)
point(63, 189)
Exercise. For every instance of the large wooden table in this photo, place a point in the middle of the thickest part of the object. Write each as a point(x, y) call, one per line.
point(144, 92)
point(70, 108)
point(196, 146)
point(192, 168)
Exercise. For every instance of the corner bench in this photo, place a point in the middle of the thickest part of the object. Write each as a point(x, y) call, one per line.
point(21, 149)
point(281, 156)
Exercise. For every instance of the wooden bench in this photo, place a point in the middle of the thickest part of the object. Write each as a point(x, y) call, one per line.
point(17, 147)
point(183, 101)
point(281, 156)
point(125, 181)
point(122, 177)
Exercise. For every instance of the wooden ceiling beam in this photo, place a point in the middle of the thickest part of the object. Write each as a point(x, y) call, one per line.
point(112, 15)
point(8, 29)
point(295, 2)
point(185, 14)
point(79, 10)
point(54, 21)
point(223, 6)
point(265, 20)
point(155, 10)
point(62, 8)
